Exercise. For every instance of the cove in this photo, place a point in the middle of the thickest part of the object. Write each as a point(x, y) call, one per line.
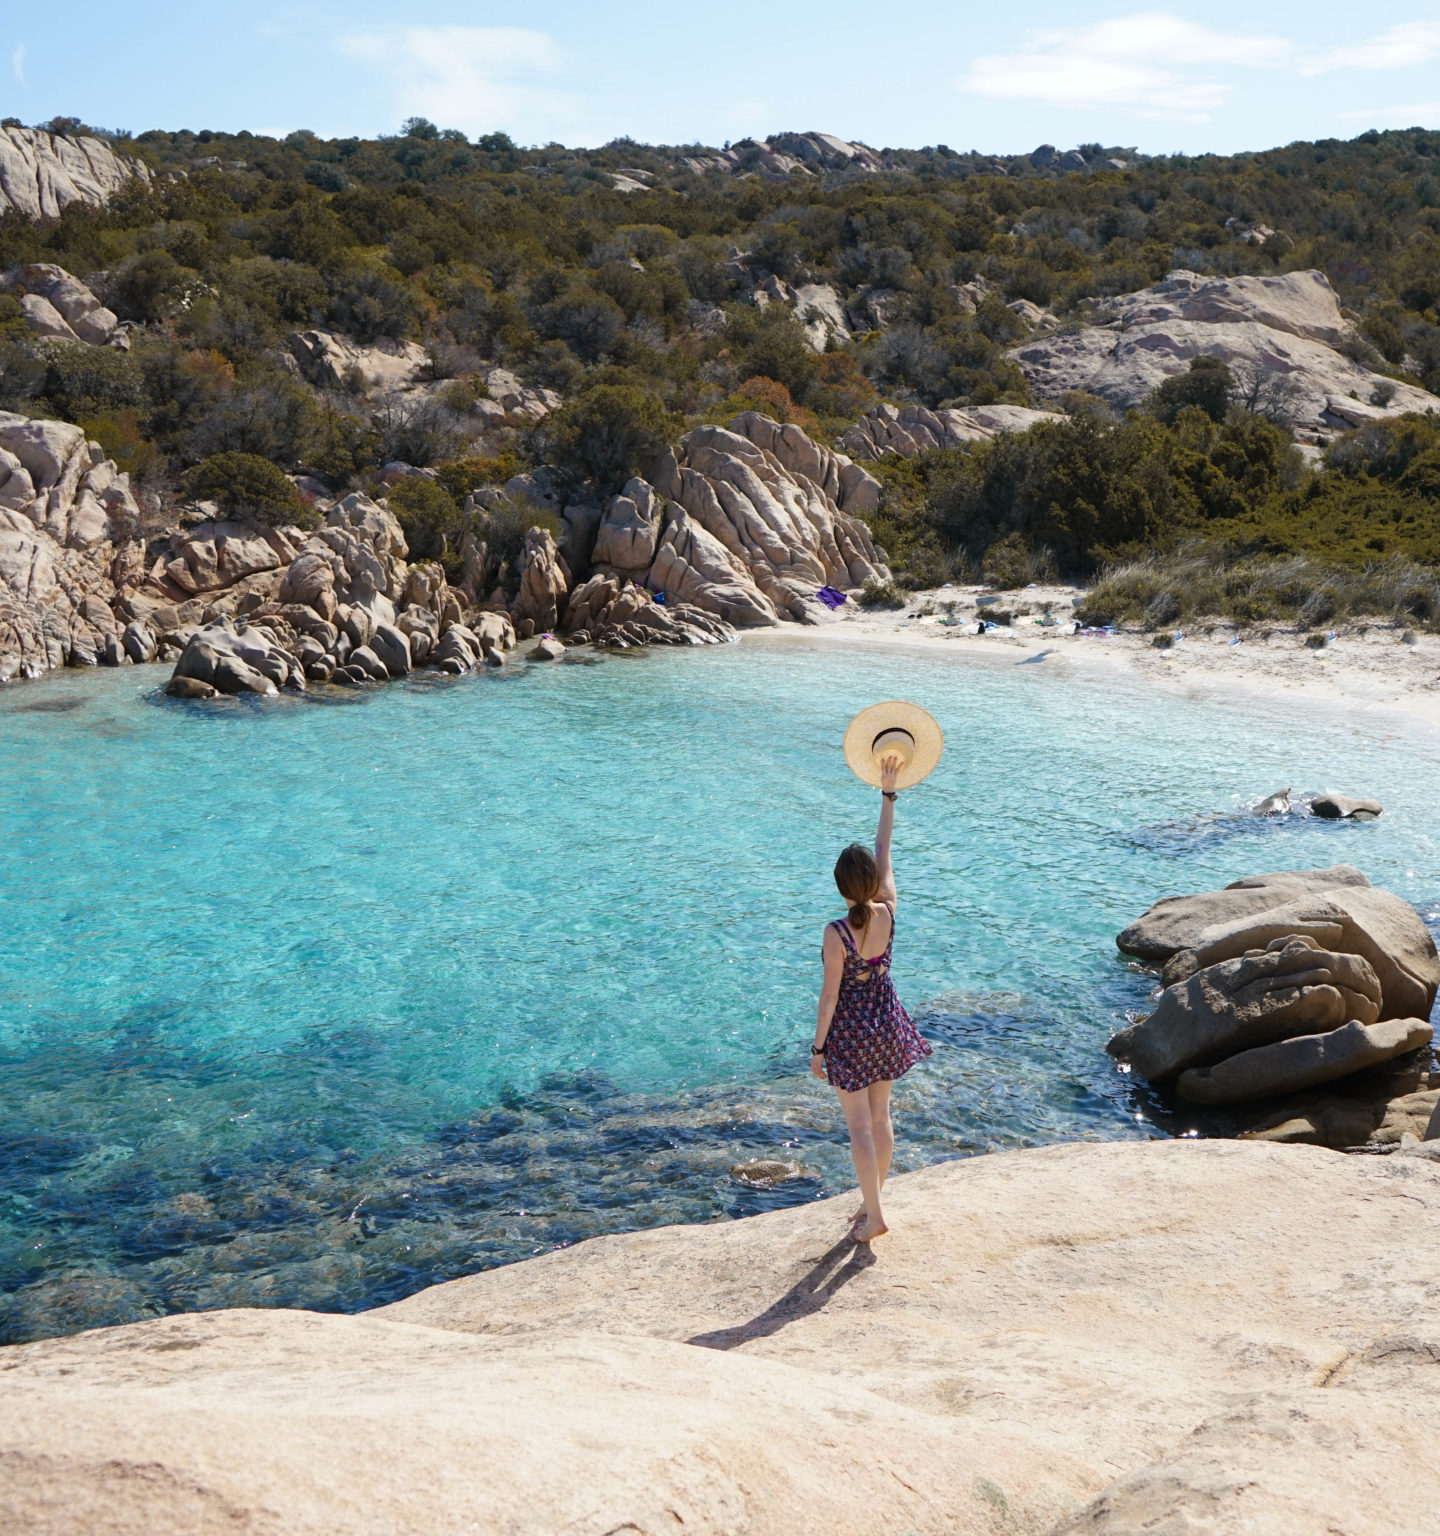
point(318, 1001)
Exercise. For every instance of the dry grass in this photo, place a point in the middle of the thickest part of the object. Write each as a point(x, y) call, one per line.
point(1162, 590)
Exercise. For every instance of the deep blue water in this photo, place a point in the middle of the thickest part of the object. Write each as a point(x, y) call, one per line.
point(317, 1001)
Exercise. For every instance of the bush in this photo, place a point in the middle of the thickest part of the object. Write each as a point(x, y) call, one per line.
point(430, 516)
point(503, 527)
point(1011, 562)
point(610, 433)
point(1208, 385)
point(251, 489)
point(882, 594)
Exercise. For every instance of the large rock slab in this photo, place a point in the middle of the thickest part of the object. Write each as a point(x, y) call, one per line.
point(1161, 1335)
point(1268, 330)
point(1292, 987)
point(1302, 1062)
point(1179, 922)
point(41, 173)
point(913, 429)
point(333, 361)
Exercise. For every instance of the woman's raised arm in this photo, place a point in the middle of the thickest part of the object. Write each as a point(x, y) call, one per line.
point(890, 766)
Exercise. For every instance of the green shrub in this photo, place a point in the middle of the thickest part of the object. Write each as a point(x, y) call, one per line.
point(610, 433)
point(430, 516)
point(246, 487)
point(882, 594)
point(1010, 562)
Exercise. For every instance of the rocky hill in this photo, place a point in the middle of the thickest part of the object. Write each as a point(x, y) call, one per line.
point(1227, 1337)
point(355, 311)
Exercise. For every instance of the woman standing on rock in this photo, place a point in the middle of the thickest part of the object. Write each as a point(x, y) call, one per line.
point(864, 1039)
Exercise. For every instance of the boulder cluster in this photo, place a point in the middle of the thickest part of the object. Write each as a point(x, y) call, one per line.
point(1285, 983)
point(60, 307)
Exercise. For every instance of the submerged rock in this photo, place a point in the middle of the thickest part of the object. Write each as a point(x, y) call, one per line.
point(765, 1172)
point(1342, 808)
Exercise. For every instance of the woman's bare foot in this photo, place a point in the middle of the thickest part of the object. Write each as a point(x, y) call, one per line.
point(863, 1230)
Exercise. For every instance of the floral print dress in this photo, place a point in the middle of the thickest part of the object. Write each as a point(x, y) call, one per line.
point(871, 1037)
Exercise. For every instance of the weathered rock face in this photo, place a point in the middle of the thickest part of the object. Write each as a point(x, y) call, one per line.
point(1279, 334)
point(764, 1376)
point(851, 488)
point(332, 361)
point(911, 429)
point(610, 612)
point(41, 173)
point(1359, 920)
point(780, 526)
point(542, 581)
point(67, 536)
point(1291, 987)
point(247, 659)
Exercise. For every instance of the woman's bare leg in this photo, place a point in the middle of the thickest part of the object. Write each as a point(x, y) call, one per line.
point(856, 1107)
point(882, 1133)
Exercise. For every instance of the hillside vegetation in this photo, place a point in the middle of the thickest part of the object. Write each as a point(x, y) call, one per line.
point(637, 307)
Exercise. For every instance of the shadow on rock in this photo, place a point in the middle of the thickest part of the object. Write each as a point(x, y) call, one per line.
point(802, 1299)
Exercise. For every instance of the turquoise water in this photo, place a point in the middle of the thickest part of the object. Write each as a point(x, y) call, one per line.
point(319, 1001)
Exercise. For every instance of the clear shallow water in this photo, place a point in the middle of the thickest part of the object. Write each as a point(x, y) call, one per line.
point(317, 1003)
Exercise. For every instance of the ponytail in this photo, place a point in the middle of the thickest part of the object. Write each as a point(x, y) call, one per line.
point(858, 877)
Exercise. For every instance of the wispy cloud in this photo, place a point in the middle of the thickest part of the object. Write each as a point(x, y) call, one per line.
point(1160, 65)
point(17, 63)
point(1153, 63)
point(1413, 114)
point(475, 78)
point(1402, 47)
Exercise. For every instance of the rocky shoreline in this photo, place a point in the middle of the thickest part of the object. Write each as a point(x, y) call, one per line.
point(1100, 1338)
point(738, 527)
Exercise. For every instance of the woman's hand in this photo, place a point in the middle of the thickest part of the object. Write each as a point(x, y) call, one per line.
point(890, 766)
point(817, 1067)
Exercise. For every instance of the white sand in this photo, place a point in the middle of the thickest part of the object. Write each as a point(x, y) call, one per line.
point(1365, 667)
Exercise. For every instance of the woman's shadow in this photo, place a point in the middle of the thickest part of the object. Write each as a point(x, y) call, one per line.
point(807, 1296)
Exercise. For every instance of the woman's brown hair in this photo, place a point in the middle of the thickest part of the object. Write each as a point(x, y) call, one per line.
point(858, 877)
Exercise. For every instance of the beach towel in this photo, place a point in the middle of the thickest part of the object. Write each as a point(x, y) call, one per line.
point(830, 597)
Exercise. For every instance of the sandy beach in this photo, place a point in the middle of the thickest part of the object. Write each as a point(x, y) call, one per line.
point(1365, 666)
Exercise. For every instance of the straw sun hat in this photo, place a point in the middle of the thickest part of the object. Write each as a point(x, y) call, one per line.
point(893, 727)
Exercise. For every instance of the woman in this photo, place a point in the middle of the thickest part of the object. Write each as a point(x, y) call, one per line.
point(864, 1039)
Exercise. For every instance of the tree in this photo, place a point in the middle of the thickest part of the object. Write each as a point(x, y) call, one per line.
point(248, 487)
point(610, 433)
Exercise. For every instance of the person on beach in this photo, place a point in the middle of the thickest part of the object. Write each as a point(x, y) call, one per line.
point(864, 1039)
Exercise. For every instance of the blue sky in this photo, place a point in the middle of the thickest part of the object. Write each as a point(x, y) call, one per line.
point(1233, 76)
